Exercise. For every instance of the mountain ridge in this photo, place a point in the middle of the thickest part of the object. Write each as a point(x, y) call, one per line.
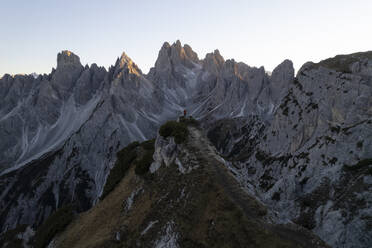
point(70, 124)
point(199, 177)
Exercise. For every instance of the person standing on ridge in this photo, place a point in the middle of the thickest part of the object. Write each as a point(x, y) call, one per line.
point(184, 113)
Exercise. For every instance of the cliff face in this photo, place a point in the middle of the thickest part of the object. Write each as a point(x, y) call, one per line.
point(301, 145)
point(311, 162)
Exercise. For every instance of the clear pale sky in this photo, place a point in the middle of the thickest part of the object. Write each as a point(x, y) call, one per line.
point(255, 32)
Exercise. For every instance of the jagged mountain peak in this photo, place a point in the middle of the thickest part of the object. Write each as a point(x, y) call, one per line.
point(165, 45)
point(281, 78)
point(125, 62)
point(286, 63)
point(124, 58)
point(284, 69)
point(213, 62)
point(67, 59)
point(241, 70)
point(175, 54)
point(217, 55)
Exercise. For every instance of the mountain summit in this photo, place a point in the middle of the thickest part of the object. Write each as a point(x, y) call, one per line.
point(171, 55)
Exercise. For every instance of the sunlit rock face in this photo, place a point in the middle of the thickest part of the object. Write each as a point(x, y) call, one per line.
point(60, 132)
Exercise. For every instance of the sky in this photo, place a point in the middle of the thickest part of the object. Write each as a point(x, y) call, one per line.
point(258, 33)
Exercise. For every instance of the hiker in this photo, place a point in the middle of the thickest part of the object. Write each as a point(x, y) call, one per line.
point(184, 113)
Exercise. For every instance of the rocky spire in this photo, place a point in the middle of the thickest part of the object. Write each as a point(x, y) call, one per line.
point(280, 79)
point(163, 61)
point(67, 59)
point(125, 62)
